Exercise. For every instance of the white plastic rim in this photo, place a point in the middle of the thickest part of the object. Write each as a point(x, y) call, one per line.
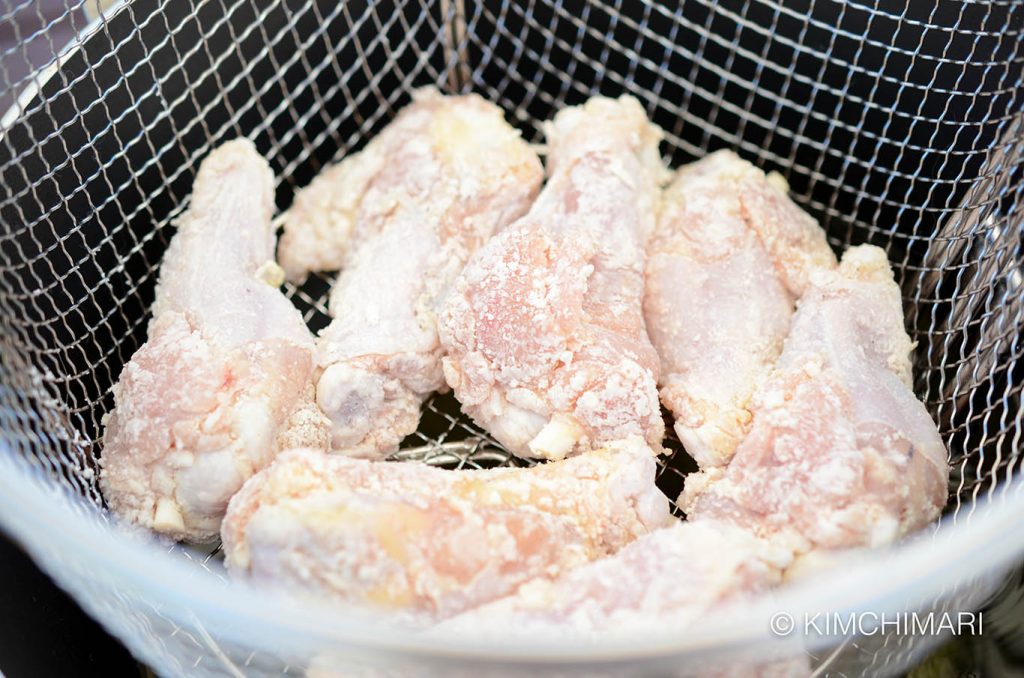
point(42, 514)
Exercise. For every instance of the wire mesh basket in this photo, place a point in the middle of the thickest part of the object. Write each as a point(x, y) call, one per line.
point(898, 126)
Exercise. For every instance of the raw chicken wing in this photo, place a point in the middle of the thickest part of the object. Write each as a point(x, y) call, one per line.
point(841, 454)
point(225, 378)
point(409, 211)
point(795, 242)
point(717, 302)
point(669, 578)
point(432, 542)
point(544, 328)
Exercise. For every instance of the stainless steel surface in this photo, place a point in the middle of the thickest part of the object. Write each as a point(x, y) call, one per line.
point(896, 126)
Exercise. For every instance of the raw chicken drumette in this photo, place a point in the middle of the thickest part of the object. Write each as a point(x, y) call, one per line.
point(669, 578)
point(841, 453)
point(544, 330)
point(402, 218)
point(433, 542)
point(226, 376)
point(728, 258)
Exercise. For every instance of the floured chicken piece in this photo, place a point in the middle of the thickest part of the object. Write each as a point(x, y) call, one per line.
point(841, 453)
point(717, 301)
point(668, 579)
point(544, 329)
point(431, 542)
point(795, 242)
point(225, 378)
point(411, 208)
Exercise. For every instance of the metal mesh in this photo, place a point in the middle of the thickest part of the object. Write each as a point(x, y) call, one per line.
point(899, 127)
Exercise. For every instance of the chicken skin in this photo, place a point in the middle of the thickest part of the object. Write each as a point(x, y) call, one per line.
point(544, 331)
point(225, 378)
point(430, 542)
point(669, 578)
point(718, 301)
point(841, 454)
point(411, 209)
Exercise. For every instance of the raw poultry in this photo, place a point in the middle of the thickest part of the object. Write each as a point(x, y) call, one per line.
point(429, 542)
point(841, 453)
point(544, 332)
point(727, 261)
point(669, 578)
point(225, 378)
point(401, 218)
